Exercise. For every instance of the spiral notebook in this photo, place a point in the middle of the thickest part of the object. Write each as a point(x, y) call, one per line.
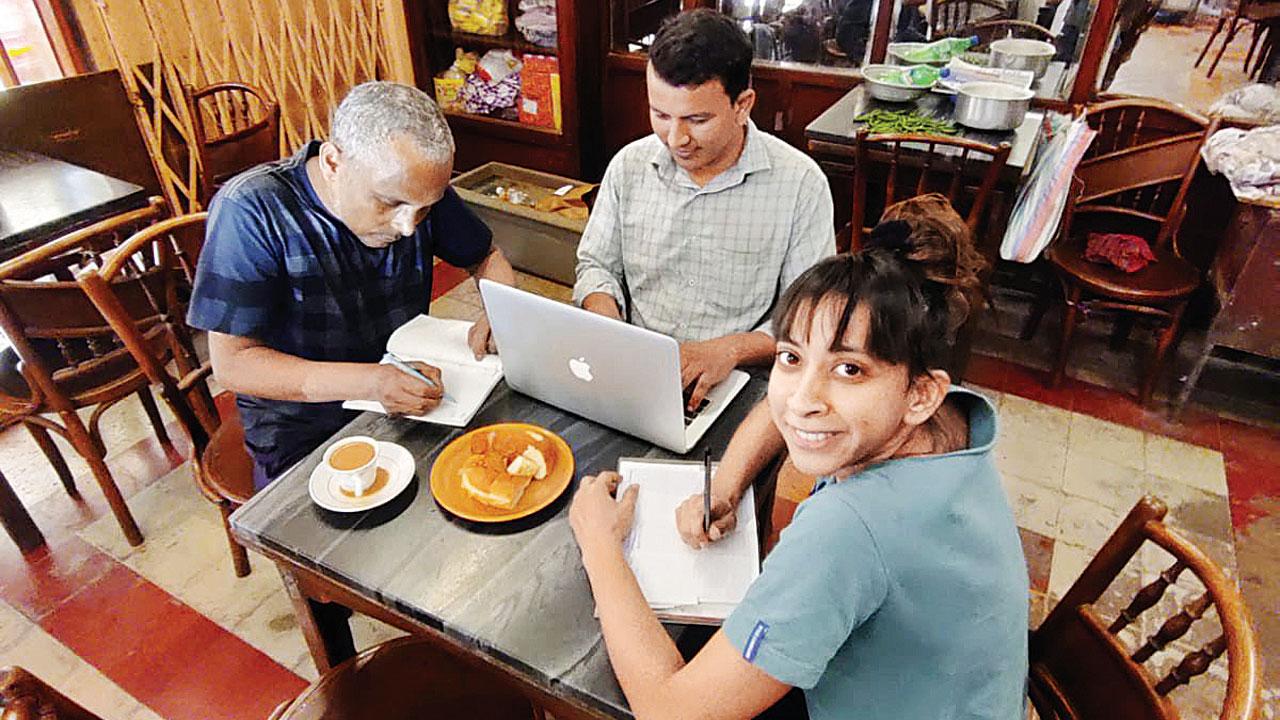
point(680, 583)
point(443, 343)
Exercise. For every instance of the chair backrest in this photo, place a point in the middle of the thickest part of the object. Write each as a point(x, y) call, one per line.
point(24, 696)
point(186, 392)
point(905, 166)
point(236, 127)
point(1081, 667)
point(71, 357)
point(991, 30)
point(950, 16)
point(1142, 160)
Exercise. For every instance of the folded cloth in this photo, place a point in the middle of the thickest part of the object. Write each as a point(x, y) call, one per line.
point(1130, 253)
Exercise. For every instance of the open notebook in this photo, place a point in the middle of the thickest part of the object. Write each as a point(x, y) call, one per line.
point(443, 344)
point(683, 584)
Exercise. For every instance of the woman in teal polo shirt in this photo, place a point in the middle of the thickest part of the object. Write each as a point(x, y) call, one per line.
point(899, 590)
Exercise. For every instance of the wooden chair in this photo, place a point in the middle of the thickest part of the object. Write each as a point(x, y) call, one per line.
point(71, 359)
point(1254, 12)
point(991, 30)
point(24, 696)
point(222, 466)
point(1133, 180)
point(1081, 669)
point(406, 679)
point(236, 127)
point(949, 17)
point(905, 166)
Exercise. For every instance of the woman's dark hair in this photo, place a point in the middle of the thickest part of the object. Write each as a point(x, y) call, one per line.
point(697, 46)
point(917, 277)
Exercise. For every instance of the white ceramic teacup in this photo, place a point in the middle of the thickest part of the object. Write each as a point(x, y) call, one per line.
point(352, 464)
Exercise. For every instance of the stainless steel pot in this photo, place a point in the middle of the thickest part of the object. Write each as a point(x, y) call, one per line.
point(992, 106)
point(1023, 54)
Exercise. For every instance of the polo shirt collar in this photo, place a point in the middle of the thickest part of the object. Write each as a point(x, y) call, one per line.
point(754, 158)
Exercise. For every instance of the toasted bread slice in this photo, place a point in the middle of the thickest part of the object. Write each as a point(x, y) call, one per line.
point(497, 489)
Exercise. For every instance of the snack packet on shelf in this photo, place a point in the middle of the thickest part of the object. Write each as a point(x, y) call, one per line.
point(449, 83)
point(479, 17)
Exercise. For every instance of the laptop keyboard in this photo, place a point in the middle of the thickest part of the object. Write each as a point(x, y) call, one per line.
point(691, 415)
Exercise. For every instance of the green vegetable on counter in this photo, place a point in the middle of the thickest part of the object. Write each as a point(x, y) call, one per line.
point(904, 121)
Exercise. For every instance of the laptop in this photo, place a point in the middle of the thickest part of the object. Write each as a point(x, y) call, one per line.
point(608, 371)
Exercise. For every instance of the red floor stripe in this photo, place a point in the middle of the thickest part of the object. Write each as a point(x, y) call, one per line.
point(445, 277)
point(167, 655)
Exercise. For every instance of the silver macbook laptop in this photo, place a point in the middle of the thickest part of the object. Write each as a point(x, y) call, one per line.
point(617, 374)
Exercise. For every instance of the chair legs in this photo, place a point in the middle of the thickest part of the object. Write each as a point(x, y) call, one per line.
point(89, 450)
point(1231, 35)
point(1155, 364)
point(50, 450)
point(1213, 36)
point(1070, 317)
point(239, 557)
point(153, 414)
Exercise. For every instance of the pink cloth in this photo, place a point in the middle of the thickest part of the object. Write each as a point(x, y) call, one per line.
point(1130, 253)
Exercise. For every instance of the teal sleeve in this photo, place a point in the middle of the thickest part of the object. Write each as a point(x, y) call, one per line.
point(823, 579)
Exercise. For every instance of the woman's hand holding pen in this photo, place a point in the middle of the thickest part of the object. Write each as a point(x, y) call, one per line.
point(724, 518)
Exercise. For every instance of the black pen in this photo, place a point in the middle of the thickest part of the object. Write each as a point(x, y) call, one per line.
point(706, 491)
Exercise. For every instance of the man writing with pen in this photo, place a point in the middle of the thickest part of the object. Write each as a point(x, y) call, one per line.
point(311, 262)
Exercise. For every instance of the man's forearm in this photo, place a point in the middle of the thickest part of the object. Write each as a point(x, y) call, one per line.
point(602, 304)
point(752, 348)
point(263, 372)
point(495, 267)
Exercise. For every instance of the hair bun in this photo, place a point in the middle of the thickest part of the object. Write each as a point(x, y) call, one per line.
point(892, 235)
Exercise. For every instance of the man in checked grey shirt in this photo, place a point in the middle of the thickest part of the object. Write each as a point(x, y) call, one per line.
point(699, 227)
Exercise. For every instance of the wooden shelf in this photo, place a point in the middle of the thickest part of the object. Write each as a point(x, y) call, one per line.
point(513, 40)
point(509, 128)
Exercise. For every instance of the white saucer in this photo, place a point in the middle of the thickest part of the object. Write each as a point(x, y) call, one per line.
point(393, 458)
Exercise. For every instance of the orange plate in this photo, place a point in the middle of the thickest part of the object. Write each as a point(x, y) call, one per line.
point(446, 483)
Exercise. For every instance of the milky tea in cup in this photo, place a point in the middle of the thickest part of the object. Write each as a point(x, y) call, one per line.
point(354, 461)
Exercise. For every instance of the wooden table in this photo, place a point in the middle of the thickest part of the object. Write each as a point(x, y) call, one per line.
point(1245, 275)
point(42, 198)
point(510, 600)
point(831, 143)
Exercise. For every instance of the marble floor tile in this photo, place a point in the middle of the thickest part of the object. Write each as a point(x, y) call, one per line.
point(1085, 523)
point(1102, 481)
point(1042, 462)
point(1022, 418)
point(1107, 441)
point(1196, 466)
point(1035, 507)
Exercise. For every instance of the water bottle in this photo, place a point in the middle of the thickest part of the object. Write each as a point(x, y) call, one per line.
point(940, 50)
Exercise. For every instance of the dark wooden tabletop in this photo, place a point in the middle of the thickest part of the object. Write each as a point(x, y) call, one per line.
point(42, 198)
point(836, 124)
point(515, 594)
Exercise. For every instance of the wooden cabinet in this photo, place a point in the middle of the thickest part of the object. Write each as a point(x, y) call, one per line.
point(572, 149)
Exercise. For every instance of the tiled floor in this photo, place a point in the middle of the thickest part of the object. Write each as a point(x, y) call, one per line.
point(165, 630)
point(1163, 65)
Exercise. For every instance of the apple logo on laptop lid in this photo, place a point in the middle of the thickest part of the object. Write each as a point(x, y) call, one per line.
point(581, 369)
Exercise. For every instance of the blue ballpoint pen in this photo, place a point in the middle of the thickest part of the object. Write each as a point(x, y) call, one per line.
point(395, 360)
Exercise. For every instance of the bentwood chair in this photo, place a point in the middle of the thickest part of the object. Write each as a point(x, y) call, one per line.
point(1133, 180)
point(950, 17)
point(991, 30)
point(24, 696)
point(1087, 667)
point(221, 464)
point(70, 357)
point(236, 127)
point(406, 679)
point(899, 167)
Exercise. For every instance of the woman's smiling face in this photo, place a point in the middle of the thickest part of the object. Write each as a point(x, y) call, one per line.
point(836, 405)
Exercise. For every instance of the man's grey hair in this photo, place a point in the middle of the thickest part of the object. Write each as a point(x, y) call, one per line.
point(374, 112)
